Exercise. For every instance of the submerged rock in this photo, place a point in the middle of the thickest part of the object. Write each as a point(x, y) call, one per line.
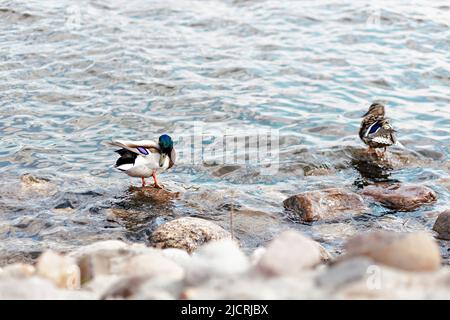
point(59, 269)
point(187, 234)
point(401, 197)
point(289, 254)
point(442, 225)
point(36, 185)
point(408, 251)
point(325, 204)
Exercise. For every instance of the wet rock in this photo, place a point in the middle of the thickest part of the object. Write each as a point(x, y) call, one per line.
point(442, 225)
point(37, 185)
point(59, 269)
point(152, 194)
point(325, 204)
point(187, 234)
point(221, 258)
point(408, 251)
point(18, 270)
point(332, 232)
point(319, 172)
point(289, 254)
point(401, 197)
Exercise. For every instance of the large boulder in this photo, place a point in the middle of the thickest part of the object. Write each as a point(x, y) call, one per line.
point(401, 197)
point(325, 204)
point(289, 254)
point(442, 225)
point(416, 251)
point(187, 234)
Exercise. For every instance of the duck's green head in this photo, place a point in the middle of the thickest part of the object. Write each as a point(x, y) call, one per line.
point(165, 143)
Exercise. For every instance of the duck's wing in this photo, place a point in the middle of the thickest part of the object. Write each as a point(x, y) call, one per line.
point(141, 147)
point(381, 132)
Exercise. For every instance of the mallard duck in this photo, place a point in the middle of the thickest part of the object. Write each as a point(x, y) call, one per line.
point(376, 131)
point(145, 158)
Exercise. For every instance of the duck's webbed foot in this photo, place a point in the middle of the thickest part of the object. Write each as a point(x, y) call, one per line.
point(156, 185)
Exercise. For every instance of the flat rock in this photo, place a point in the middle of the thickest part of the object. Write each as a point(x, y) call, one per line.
point(289, 254)
point(187, 234)
point(416, 251)
point(325, 204)
point(401, 197)
point(442, 225)
point(152, 194)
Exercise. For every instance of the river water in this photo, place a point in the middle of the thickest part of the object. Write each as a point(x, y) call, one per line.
point(74, 74)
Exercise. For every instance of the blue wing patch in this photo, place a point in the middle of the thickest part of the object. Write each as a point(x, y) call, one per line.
point(374, 128)
point(142, 150)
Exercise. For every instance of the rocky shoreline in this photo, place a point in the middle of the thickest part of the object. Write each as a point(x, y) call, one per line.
point(193, 258)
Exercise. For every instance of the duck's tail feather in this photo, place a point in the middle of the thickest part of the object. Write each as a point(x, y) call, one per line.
point(126, 161)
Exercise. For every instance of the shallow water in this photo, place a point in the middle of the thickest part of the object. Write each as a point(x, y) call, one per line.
point(74, 76)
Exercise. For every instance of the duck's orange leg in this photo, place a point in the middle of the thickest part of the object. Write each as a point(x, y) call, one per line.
point(143, 182)
point(157, 185)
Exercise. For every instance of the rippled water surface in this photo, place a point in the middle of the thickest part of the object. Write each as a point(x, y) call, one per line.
point(74, 74)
